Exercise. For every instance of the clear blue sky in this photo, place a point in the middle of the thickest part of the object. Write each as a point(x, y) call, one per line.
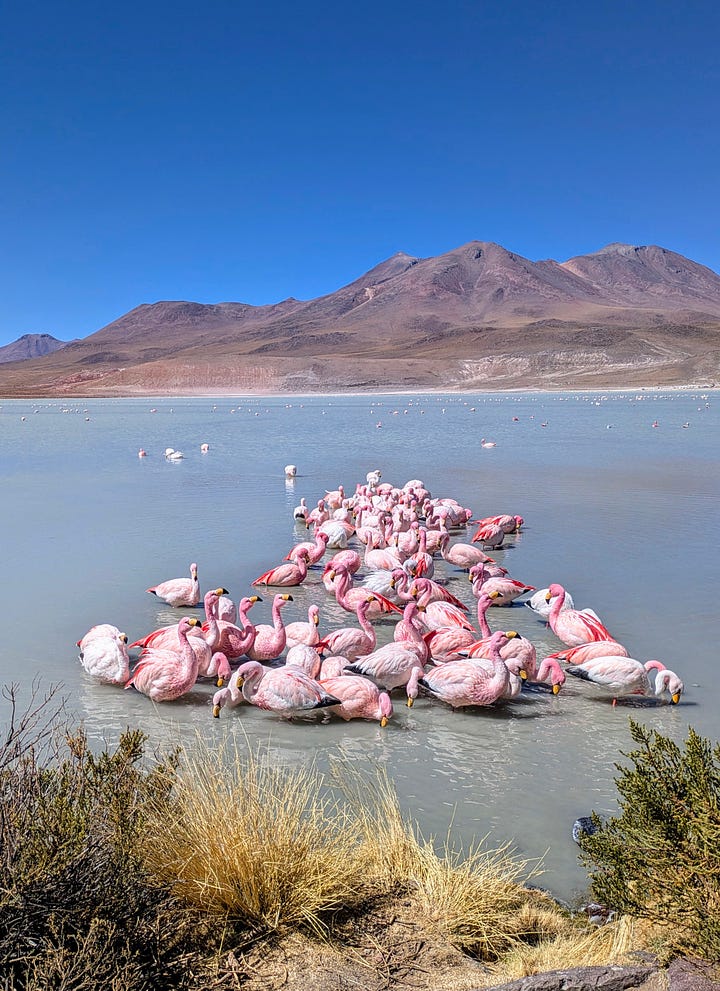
point(222, 150)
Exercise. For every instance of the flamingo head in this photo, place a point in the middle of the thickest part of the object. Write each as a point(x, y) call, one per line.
point(386, 708)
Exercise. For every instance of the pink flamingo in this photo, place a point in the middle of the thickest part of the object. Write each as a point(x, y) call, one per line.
point(463, 683)
point(348, 559)
point(450, 643)
point(431, 591)
point(351, 641)
point(360, 698)
point(179, 591)
point(100, 631)
point(219, 668)
point(587, 651)
point(314, 548)
point(518, 654)
point(299, 632)
point(292, 573)
point(106, 658)
point(439, 613)
point(389, 666)
point(233, 640)
point(571, 626)
point(621, 676)
point(551, 671)
point(349, 597)
point(463, 556)
point(166, 636)
point(269, 641)
point(491, 535)
point(287, 691)
point(165, 675)
point(304, 657)
point(509, 588)
point(407, 632)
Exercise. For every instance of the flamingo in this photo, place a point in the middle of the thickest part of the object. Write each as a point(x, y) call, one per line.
point(487, 443)
point(304, 657)
point(348, 597)
point(165, 675)
point(509, 588)
point(299, 632)
point(290, 471)
point(106, 658)
point(542, 606)
point(96, 632)
point(292, 573)
point(621, 676)
point(407, 632)
point(587, 651)
point(314, 549)
point(360, 698)
point(463, 683)
point(439, 613)
point(390, 666)
point(350, 641)
point(491, 535)
point(550, 669)
point(300, 512)
point(287, 691)
point(463, 556)
point(572, 626)
point(166, 636)
point(233, 640)
point(518, 654)
point(349, 559)
point(269, 641)
point(179, 591)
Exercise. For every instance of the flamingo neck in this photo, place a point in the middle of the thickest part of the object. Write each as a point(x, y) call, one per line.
point(483, 604)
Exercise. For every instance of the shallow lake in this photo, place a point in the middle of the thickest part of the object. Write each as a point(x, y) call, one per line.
point(623, 513)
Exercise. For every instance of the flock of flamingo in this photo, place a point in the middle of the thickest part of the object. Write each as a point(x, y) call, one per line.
point(379, 549)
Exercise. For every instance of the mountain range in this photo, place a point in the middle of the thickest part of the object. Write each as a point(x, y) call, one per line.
point(477, 317)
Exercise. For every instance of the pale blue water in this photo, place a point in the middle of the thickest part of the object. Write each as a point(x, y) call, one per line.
point(624, 514)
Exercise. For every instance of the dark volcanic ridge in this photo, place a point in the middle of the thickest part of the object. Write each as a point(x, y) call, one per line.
point(477, 317)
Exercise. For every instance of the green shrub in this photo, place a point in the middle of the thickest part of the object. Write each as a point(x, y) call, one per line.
point(660, 858)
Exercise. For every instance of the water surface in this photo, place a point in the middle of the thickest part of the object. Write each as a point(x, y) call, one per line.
point(624, 514)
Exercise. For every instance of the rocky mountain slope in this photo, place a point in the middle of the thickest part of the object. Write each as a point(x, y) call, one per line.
point(30, 346)
point(479, 316)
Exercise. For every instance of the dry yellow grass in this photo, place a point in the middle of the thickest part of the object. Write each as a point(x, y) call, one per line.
point(280, 848)
point(262, 843)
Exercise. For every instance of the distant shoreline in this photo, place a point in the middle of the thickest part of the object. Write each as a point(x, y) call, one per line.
point(259, 394)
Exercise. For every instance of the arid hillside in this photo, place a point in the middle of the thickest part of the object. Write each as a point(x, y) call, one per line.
point(478, 317)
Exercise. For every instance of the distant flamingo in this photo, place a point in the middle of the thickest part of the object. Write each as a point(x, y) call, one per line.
point(165, 675)
point(286, 691)
point(289, 574)
point(179, 591)
point(487, 443)
point(106, 658)
point(301, 511)
point(491, 535)
point(571, 626)
point(269, 641)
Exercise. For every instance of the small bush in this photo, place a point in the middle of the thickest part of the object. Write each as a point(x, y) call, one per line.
point(660, 858)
